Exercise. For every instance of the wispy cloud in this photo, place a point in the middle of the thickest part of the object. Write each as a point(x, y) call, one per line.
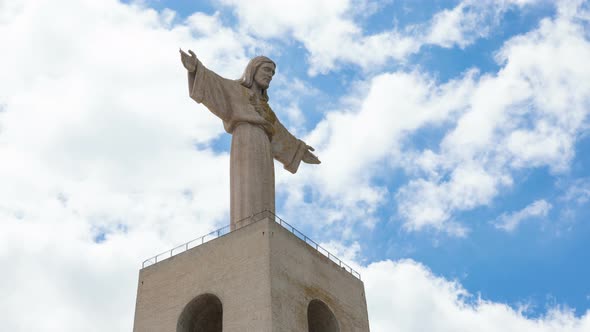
point(578, 192)
point(509, 222)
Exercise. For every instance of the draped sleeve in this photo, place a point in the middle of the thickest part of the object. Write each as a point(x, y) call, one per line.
point(287, 148)
point(212, 90)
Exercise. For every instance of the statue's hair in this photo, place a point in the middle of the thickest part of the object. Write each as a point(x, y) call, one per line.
point(247, 78)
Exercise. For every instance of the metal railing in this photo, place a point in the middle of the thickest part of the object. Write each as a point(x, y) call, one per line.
point(254, 218)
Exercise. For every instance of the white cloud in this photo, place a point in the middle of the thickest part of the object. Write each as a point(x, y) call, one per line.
point(527, 115)
point(459, 25)
point(406, 296)
point(98, 139)
point(332, 34)
point(578, 192)
point(509, 222)
point(468, 21)
point(92, 112)
point(424, 203)
point(353, 141)
point(97, 135)
point(324, 27)
point(286, 96)
point(573, 203)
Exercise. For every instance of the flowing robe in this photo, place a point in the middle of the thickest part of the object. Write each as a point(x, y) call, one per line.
point(257, 138)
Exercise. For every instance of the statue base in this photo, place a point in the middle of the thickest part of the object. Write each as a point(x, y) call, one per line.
point(259, 278)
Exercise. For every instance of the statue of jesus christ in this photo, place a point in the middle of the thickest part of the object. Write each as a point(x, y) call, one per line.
point(257, 135)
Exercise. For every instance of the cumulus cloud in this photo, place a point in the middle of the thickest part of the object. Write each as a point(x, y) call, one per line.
point(88, 117)
point(331, 33)
point(510, 221)
point(406, 296)
point(370, 125)
point(105, 159)
point(529, 114)
point(324, 27)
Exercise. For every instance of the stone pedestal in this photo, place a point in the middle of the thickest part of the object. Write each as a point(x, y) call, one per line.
point(258, 278)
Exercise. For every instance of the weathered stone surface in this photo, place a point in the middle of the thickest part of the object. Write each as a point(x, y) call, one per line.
point(265, 278)
point(258, 136)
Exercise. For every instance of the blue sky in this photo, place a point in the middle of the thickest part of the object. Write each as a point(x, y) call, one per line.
point(453, 137)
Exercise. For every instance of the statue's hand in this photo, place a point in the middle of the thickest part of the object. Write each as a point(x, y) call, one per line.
point(309, 157)
point(189, 61)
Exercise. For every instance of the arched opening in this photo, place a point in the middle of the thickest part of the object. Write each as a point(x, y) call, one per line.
point(320, 318)
point(203, 314)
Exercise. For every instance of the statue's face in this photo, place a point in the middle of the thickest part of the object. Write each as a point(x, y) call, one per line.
point(264, 75)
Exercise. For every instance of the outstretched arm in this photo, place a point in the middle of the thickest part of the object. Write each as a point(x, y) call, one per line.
point(207, 87)
point(290, 150)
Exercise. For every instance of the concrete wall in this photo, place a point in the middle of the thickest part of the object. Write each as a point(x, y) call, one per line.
point(300, 274)
point(264, 276)
point(233, 267)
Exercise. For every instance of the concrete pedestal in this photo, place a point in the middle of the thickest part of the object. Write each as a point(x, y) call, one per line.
point(264, 278)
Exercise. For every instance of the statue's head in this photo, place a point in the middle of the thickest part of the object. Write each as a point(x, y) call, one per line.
point(260, 70)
